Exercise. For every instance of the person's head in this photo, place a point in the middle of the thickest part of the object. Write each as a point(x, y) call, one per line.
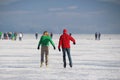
point(46, 33)
point(64, 30)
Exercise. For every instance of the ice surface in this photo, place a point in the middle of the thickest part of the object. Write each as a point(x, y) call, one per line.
point(92, 59)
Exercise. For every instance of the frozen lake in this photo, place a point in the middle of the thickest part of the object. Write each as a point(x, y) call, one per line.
point(92, 59)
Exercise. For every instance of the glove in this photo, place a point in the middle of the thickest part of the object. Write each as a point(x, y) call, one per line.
point(54, 47)
point(38, 47)
point(59, 49)
point(74, 43)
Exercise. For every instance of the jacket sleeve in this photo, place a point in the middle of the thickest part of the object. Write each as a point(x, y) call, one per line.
point(51, 42)
point(40, 41)
point(60, 42)
point(72, 39)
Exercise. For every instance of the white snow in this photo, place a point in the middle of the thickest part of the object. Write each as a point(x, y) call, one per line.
point(92, 59)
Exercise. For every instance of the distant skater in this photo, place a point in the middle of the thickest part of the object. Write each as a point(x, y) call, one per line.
point(5, 36)
point(64, 42)
point(70, 34)
point(96, 36)
point(36, 35)
point(0, 35)
point(51, 34)
point(15, 35)
point(20, 36)
point(99, 35)
point(44, 42)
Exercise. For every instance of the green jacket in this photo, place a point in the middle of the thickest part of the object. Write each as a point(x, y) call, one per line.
point(44, 41)
point(0, 33)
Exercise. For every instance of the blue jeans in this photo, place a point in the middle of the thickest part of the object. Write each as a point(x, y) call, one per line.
point(64, 50)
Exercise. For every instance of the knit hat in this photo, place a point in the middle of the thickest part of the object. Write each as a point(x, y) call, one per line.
point(64, 30)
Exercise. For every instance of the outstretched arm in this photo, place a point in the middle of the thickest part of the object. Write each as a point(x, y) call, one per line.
point(73, 40)
point(39, 43)
point(52, 43)
point(60, 43)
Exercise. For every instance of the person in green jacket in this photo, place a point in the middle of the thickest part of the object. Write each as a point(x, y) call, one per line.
point(44, 42)
point(0, 35)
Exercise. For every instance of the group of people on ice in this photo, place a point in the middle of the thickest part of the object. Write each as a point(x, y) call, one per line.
point(11, 35)
point(64, 44)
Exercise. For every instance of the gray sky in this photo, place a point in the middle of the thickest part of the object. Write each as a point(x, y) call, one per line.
point(78, 16)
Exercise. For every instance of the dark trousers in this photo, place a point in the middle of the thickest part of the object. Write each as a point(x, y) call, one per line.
point(64, 50)
point(20, 38)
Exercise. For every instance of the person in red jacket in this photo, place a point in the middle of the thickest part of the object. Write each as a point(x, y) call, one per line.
point(64, 42)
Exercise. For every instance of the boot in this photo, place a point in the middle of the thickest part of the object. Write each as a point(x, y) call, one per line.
point(41, 65)
point(70, 65)
point(64, 65)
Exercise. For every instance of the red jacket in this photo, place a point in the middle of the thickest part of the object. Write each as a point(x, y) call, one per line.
point(65, 39)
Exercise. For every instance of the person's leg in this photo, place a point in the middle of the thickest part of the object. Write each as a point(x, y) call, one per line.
point(20, 38)
point(64, 57)
point(99, 37)
point(95, 37)
point(42, 55)
point(69, 56)
point(46, 54)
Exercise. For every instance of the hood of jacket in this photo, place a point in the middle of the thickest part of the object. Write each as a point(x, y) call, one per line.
point(64, 30)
